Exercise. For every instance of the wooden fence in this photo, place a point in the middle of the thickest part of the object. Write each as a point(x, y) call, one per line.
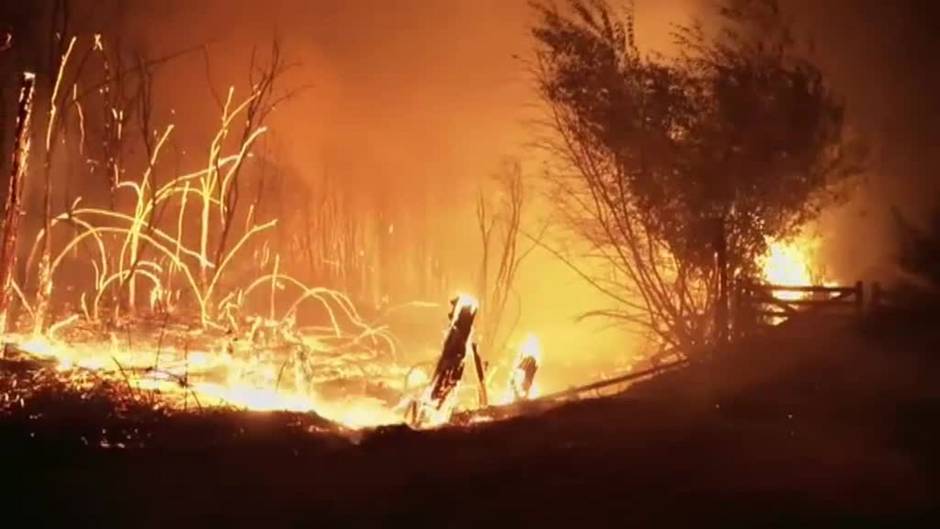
point(757, 305)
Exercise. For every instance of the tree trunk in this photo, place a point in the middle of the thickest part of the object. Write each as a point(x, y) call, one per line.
point(9, 230)
point(721, 261)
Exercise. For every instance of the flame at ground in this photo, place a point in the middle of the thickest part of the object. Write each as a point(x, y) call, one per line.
point(279, 369)
point(220, 324)
point(522, 383)
point(209, 379)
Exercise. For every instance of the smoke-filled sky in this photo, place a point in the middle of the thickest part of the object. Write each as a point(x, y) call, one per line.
point(419, 101)
point(882, 58)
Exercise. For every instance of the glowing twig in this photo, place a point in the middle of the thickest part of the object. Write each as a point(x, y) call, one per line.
point(53, 107)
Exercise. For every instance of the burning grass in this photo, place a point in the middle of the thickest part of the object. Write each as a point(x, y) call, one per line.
point(96, 409)
point(177, 365)
point(170, 288)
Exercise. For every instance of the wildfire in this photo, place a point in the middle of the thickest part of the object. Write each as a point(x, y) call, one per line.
point(172, 288)
point(167, 312)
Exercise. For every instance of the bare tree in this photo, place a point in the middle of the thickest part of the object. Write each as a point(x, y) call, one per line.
point(262, 78)
point(499, 227)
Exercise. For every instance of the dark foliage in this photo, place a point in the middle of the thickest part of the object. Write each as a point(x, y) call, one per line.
point(919, 248)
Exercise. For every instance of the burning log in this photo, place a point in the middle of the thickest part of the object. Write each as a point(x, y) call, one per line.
point(12, 212)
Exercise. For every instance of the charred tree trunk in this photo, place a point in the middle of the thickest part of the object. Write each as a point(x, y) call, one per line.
point(721, 258)
point(450, 366)
point(12, 208)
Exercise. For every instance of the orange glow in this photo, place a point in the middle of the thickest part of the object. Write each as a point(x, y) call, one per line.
point(531, 347)
point(213, 379)
point(789, 264)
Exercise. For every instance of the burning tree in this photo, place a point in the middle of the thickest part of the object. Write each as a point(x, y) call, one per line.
point(676, 172)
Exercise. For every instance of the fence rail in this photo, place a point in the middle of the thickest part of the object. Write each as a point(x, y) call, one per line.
point(758, 305)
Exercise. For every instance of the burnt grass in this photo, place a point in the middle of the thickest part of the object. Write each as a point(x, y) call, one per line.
point(822, 422)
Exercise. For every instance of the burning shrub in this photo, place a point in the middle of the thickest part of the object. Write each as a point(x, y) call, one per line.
point(674, 173)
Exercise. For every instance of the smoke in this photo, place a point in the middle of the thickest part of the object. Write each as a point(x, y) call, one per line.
point(410, 105)
point(880, 56)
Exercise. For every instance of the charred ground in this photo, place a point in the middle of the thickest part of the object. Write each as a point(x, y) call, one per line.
point(822, 421)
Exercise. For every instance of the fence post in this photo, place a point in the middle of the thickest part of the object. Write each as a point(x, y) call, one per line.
point(859, 297)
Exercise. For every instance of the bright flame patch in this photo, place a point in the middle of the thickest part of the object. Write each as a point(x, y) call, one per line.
point(789, 264)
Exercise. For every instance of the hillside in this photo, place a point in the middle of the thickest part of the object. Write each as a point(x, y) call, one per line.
point(821, 422)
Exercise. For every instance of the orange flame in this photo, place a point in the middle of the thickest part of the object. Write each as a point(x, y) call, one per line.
point(789, 264)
